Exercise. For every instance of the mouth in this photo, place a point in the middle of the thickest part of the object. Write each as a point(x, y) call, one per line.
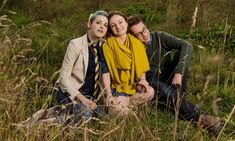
point(100, 31)
point(118, 30)
point(145, 38)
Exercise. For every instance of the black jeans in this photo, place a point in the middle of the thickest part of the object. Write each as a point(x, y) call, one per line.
point(167, 98)
point(167, 94)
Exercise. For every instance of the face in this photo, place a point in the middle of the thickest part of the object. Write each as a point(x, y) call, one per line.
point(141, 32)
point(118, 25)
point(99, 27)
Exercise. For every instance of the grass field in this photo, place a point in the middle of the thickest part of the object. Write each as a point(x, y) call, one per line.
point(31, 53)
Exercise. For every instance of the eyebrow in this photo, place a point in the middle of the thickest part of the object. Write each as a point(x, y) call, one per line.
point(119, 20)
point(101, 21)
point(140, 32)
point(144, 27)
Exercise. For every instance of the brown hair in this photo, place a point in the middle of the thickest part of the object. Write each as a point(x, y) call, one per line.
point(110, 15)
point(133, 20)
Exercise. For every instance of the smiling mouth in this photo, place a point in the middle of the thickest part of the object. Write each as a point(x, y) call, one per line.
point(100, 31)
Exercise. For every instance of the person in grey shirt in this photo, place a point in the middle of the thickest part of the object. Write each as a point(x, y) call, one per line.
point(168, 75)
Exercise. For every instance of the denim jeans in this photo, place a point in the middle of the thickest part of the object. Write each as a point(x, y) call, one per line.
point(77, 110)
point(115, 93)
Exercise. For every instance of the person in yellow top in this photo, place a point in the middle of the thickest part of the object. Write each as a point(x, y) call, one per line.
point(126, 58)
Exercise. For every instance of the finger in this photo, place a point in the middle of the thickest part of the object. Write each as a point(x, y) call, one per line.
point(111, 102)
point(144, 86)
point(93, 106)
point(114, 102)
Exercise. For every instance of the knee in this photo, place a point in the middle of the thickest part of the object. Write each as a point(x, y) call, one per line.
point(121, 110)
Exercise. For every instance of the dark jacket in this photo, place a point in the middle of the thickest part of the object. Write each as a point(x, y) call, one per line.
point(159, 52)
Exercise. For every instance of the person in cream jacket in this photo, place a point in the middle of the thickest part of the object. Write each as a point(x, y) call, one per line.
point(75, 86)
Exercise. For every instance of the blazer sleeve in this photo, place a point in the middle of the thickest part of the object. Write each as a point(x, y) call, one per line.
point(70, 58)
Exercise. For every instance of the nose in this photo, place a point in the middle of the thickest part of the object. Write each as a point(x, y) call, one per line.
point(102, 26)
point(117, 26)
point(145, 34)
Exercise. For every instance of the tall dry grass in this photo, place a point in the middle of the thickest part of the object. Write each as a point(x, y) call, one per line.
point(24, 90)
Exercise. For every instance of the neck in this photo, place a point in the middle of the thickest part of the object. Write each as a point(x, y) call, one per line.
point(122, 38)
point(147, 42)
point(92, 38)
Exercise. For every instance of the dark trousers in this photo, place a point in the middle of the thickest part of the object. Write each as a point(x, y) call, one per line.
point(167, 94)
point(167, 98)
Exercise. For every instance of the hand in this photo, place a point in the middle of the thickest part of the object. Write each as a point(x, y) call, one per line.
point(110, 101)
point(177, 80)
point(88, 103)
point(142, 86)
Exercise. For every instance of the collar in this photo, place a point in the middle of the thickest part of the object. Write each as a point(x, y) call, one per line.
point(90, 43)
point(150, 41)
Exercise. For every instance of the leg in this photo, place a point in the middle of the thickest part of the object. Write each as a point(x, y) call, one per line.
point(140, 98)
point(167, 97)
point(76, 111)
point(122, 104)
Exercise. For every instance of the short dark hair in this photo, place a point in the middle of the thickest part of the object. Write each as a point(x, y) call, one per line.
point(133, 20)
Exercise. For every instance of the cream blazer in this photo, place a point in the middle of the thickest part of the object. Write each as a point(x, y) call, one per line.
point(74, 66)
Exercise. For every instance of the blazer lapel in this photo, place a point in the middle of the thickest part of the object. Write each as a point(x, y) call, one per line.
point(85, 53)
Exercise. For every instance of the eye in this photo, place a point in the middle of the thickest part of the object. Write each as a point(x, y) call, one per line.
point(106, 25)
point(112, 25)
point(137, 34)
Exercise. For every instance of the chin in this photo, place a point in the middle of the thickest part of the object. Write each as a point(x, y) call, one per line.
point(100, 35)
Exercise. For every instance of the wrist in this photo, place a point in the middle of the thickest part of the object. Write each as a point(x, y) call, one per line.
point(178, 74)
point(108, 91)
point(79, 97)
point(141, 79)
point(108, 95)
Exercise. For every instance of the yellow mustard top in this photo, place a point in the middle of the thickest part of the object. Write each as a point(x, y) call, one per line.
point(126, 63)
